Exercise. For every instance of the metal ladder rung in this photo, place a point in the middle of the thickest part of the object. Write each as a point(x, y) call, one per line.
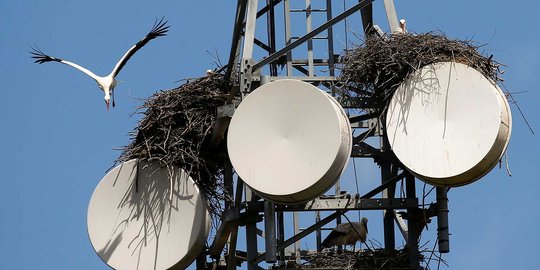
point(312, 64)
point(316, 37)
point(305, 10)
point(305, 62)
point(322, 229)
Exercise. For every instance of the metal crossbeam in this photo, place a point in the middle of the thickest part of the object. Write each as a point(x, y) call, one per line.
point(237, 33)
point(312, 34)
point(304, 233)
point(335, 204)
point(383, 186)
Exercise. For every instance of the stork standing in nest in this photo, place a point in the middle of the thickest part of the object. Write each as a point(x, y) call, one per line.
point(347, 234)
point(107, 83)
point(403, 25)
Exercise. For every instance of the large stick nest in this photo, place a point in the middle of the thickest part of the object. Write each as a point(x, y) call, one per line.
point(367, 259)
point(175, 130)
point(372, 71)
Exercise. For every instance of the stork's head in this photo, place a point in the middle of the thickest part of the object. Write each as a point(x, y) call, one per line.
point(107, 99)
point(107, 84)
point(364, 221)
point(107, 92)
point(403, 25)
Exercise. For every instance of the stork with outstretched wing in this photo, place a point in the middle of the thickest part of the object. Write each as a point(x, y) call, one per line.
point(108, 83)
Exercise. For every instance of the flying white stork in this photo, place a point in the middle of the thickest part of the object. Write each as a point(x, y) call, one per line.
point(108, 83)
point(347, 234)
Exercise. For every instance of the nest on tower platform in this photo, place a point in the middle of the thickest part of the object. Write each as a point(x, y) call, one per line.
point(372, 71)
point(175, 130)
point(366, 259)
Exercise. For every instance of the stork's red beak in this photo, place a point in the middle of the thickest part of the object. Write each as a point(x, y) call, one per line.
point(107, 104)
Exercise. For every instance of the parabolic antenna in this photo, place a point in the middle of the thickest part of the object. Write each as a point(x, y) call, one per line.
point(135, 221)
point(448, 124)
point(289, 141)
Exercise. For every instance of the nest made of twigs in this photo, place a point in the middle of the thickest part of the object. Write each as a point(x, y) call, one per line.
point(175, 130)
point(367, 259)
point(372, 71)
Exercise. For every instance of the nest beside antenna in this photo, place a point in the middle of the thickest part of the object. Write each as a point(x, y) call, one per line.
point(364, 260)
point(175, 130)
point(371, 72)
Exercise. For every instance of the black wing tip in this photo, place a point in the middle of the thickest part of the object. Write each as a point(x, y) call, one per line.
point(41, 57)
point(325, 244)
point(160, 28)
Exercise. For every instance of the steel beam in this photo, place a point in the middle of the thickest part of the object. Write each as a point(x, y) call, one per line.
point(281, 237)
point(236, 36)
point(231, 260)
point(363, 117)
point(288, 36)
point(249, 35)
point(231, 214)
point(402, 226)
point(312, 34)
point(270, 232)
point(360, 139)
point(222, 235)
point(352, 203)
point(442, 220)
point(388, 173)
point(330, 35)
point(318, 231)
point(311, 71)
point(303, 78)
point(271, 30)
point(379, 156)
point(389, 182)
point(251, 233)
point(296, 221)
point(268, 7)
point(246, 67)
point(413, 222)
point(304, 233)
point(270, 240)
point(392, 16)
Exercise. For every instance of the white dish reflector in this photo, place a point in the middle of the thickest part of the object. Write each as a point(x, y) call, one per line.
point(289, 141)
point(448, 124)
point(135, 222)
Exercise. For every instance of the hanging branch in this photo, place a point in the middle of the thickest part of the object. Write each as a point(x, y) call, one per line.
point(175, 129)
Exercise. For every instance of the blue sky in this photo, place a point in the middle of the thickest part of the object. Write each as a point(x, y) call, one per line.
point(57, 140)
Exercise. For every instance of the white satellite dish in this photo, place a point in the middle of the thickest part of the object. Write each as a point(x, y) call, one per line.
point(448, 124)
point(135, 222)
point(289, 141)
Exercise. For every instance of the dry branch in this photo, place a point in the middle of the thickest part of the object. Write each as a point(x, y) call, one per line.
point(175, 129)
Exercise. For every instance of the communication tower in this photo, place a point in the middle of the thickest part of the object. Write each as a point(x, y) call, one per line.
point(309, 56)
point(289, 140)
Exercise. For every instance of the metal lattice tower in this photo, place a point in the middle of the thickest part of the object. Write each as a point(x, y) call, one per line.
point(303, 55)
